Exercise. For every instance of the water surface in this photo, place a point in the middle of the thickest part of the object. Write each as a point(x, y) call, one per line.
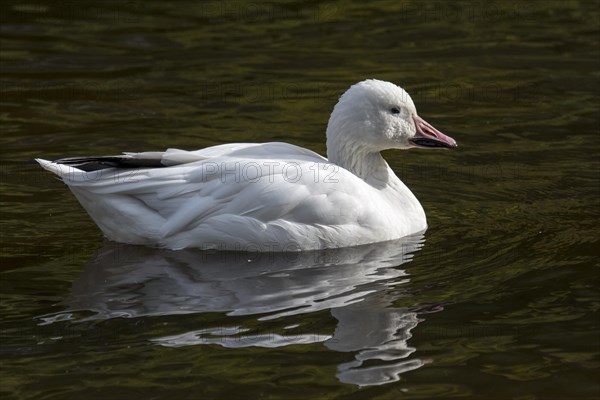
point(498, 299)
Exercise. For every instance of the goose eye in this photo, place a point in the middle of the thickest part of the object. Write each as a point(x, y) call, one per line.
point(395, 110)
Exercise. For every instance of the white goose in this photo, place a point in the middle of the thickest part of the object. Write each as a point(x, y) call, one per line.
point(269, 196)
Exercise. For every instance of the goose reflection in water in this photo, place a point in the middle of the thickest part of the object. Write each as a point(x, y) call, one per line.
point(358, 285)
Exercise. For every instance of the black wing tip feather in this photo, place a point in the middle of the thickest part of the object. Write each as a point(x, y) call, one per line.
point(97, 163)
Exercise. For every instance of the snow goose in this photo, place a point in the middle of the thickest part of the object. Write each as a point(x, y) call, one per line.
point(268, 196)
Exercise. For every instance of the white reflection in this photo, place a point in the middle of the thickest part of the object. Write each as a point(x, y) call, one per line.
point(223, 337)
point(354, 283)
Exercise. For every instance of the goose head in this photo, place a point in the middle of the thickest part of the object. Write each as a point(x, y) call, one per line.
point(375, 115)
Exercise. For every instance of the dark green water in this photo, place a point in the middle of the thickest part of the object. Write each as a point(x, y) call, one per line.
point(498, 300)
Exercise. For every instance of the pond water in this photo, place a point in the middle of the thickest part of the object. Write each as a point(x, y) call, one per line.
point(498, 299)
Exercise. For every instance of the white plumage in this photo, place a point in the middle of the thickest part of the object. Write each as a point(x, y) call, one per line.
point(265, 197)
